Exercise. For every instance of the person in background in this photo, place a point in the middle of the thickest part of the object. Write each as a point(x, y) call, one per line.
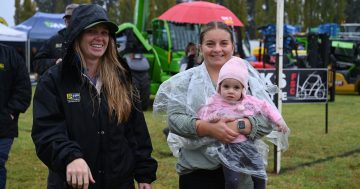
point(15, 98)
point(88, 127)
point(139, 67)
point(181, 97)
point(191, 57)
point(52, 51)
point(33, 52)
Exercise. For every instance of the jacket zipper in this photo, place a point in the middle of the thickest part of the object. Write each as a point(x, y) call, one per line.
point(101, 167)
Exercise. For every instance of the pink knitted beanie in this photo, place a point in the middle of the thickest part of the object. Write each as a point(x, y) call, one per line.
point(235, 68)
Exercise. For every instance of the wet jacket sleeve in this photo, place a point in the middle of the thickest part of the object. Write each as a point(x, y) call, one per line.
point(45, 58)
point(49, 133)
point(182, 124)
point(260, 126)
point(21, 92)
point(145, 166)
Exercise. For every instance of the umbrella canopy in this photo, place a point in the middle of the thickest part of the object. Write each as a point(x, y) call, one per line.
point(42, 26)
point(200, 12)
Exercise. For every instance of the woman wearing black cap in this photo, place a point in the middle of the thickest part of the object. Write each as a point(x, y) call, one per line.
point(88, 127)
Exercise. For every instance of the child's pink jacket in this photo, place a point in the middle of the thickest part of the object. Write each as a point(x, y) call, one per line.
point(217, 107)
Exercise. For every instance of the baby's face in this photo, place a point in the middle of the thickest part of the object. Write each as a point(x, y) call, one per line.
point(230, 89)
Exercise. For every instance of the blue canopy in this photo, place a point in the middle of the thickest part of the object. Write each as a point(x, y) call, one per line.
point(42, 26)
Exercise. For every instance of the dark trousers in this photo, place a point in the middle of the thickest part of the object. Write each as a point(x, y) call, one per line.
point(5, 146)
point(209, 179)
point(235, 180)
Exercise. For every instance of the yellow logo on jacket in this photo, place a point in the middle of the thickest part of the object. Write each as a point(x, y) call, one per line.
point(2, 66)
point(73, 97)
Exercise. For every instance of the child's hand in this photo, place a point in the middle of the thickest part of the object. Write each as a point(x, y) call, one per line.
point(282, 128)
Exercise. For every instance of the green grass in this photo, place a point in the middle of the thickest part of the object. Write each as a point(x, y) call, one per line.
point(315, 160)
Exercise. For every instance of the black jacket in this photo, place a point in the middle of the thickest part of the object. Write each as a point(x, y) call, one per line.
point(50, 51)
point(15, 90)
point(71, 121)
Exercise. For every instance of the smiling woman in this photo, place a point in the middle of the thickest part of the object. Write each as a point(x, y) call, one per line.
point(93, 44)
point(88, 127)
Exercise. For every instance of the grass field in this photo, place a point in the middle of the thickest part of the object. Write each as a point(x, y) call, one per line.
point(315, 160)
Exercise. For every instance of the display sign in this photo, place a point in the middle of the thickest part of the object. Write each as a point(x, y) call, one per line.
point(300, 85)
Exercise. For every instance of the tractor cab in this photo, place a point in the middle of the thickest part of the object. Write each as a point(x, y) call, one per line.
point(169, 39)
point(130, 40)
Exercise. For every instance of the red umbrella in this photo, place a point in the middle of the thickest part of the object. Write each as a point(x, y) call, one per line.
point(200, 12)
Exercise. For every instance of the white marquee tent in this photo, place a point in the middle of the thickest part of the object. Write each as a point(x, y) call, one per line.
point(17, 38)
point(10, 34)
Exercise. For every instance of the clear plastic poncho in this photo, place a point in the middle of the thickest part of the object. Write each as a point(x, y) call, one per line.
point(189, 91)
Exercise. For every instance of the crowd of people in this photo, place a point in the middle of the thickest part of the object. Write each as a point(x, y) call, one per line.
point(88, 123)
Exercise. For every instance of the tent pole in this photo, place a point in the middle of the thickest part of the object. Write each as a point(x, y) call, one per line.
point(279, 52)
point(27, 50)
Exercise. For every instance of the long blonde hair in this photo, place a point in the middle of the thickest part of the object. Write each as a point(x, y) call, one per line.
point(115, 84)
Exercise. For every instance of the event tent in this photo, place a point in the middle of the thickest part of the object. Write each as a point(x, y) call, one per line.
point(42, 26)
point(14, 38)
point(10, 34)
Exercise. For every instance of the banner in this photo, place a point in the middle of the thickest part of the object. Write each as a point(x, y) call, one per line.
point(300, 85)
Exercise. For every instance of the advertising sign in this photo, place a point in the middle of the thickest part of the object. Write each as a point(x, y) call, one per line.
point(300, 85)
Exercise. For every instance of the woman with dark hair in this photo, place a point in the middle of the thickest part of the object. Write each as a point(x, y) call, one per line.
point(184, 94)
point(88, 126)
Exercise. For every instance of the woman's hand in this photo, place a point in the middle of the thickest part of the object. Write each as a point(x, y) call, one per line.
point(144, 186)
point(219, 130)
point(78, 174)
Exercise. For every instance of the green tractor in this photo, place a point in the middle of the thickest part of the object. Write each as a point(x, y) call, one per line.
point(136, 43)
point(163, 48)
point(166, 49)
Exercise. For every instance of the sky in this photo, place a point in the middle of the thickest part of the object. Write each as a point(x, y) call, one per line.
point(7, 11)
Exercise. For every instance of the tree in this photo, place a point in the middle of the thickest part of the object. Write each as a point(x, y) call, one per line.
point(55, 6)
point(294, 12)
point(113, 8)
point(352, 11)
point(126, 11)
point(17, 18)
point(253, 13)
point(44, 5)
point(340, 15)
point(239, 8)
point(264, 13)
point(24, 11)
